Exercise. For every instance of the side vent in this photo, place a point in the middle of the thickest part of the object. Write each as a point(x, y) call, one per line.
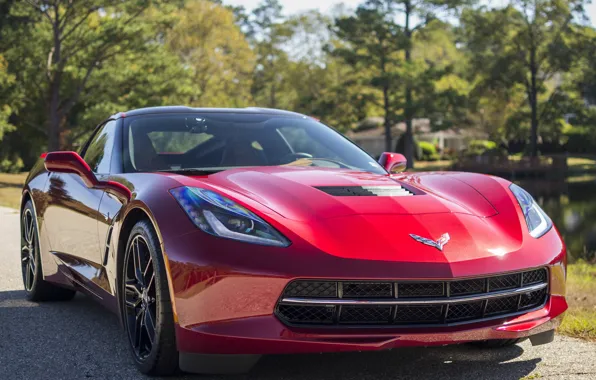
point(365, 191)
point(107, 247)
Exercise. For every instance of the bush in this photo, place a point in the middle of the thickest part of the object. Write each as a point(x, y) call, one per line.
point(580, 140)
point(484, 148)
point(14, 166)
point(428, 151)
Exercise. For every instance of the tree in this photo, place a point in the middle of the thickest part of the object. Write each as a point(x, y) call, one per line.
point(372, 42)
point(77, 38)
point(412, 10)
point(524, 45)
point(268, 33)
point(215, 52)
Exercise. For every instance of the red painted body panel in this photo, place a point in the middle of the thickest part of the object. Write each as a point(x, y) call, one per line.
point(224, 292)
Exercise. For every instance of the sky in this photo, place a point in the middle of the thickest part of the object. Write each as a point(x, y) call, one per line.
point(294, 6)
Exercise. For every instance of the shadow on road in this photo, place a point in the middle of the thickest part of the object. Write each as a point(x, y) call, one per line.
point(79, 339)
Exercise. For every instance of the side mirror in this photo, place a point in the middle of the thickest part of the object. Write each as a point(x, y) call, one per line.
point(393, 162)
point(70, 162)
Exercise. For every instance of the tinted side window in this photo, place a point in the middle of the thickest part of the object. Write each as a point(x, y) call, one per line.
point(99, 151)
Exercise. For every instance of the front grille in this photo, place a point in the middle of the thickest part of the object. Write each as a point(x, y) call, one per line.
point(306, 314)
point(407, 314)
point(460, 288)
point(420, 289)
point(508, 281)
point(367, 290)
point(312, 289)
point(365, 314)
point(464, 311)
point(411, 303)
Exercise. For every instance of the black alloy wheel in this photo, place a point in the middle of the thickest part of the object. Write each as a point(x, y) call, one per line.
point(145, 302)
point(140, 297)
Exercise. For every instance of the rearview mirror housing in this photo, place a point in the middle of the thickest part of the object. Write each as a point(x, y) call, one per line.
point(70, 162)
point(393, 162)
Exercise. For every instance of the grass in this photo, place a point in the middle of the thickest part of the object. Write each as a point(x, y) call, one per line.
point(580, 164)
point(580, 320)
point(11, 186)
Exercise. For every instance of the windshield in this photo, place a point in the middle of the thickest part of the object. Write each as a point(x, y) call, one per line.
point(219, 141)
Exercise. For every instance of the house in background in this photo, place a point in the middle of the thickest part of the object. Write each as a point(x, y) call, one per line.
point(370, 135)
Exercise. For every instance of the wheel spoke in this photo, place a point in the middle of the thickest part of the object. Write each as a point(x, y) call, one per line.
point(30, 231)
point(28, 279)
point(132, 304)
point(137, 261)
point(133, 286)
point(147, 268)
point(32, 266)
point(151, 281)
point(26, 227)
point(149, 325)
point(139, 317)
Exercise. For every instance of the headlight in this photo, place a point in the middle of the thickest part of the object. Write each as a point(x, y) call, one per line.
point(220, 216)
point(538, 222)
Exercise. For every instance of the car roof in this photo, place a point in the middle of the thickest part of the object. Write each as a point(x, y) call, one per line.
point(184, 109)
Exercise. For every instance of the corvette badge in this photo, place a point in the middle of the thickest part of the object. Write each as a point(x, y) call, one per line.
point(439, 244)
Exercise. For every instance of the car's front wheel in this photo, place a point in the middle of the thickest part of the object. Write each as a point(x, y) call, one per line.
point(147, 308)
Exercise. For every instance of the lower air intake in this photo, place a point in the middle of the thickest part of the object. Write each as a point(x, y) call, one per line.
point(412, 303)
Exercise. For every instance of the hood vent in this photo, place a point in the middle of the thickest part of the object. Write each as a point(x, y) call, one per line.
point(365, 191)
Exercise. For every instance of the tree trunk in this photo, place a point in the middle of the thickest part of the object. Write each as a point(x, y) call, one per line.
point(533, 93)
point(54, 75)
point(387, 119)
point(409, 137)
point(54, 118)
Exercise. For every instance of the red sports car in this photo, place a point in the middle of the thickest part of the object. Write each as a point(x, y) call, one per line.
point(220, 235)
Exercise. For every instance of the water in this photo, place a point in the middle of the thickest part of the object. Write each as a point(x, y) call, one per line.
point(572, 207)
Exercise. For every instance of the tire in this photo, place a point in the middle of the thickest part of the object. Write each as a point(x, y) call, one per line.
point(36, 288)
point(497, 343)
point(147, 313)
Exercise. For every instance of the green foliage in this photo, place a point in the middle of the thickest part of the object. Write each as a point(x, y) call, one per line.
point(15, 165)
point(66, 65)
point(217, 59)
point(517, 52)
point(581, 140)
point(428, 151)
point(484, 148)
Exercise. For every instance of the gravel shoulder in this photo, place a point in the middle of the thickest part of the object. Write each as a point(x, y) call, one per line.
point(79, 339)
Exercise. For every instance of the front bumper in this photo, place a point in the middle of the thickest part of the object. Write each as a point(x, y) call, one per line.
point(267, 335)
point(225, 293)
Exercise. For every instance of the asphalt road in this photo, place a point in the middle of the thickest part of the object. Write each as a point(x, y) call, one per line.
point(80, 340)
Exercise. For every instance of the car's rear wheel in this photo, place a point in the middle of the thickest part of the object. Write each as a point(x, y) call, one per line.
point(497, 343)
point(36, 288)
point(147, 308)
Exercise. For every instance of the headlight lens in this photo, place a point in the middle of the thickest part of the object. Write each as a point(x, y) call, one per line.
point(220, 216)
point(538, 222)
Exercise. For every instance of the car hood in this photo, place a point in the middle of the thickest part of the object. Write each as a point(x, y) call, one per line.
point(391, 209)
point(305, 194)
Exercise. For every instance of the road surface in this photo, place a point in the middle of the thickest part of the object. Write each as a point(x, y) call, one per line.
point(80, 340)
